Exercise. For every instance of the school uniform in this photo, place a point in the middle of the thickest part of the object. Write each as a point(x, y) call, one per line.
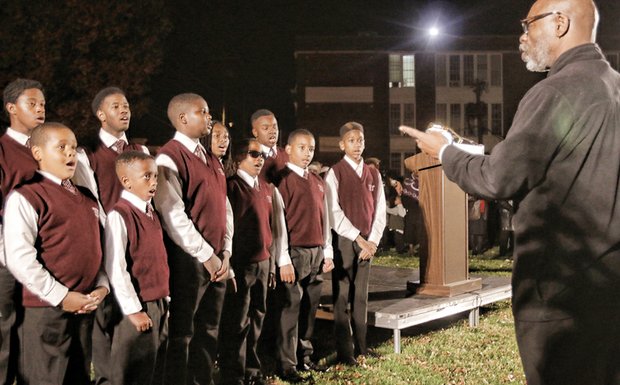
point(357, 207)
point(96, 170)
point(275, 161)
point(198, 222)
point(259, 238)
point(53, 247)
point(305, 206)
point(137, 266)
point(16, 166)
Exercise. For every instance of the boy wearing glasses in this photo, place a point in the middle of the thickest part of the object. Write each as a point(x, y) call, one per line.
point(259, 238)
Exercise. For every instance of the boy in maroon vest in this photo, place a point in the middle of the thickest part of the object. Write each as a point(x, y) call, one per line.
point(265, 130)
point(24, 103)
point(96, 172)
point(259, 238)
point(198, 220)
point(137, 266)
point(311, 254)
point(357, 212)
point(53, 248)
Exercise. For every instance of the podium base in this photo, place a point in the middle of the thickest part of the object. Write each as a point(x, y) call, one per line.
point(447, 290)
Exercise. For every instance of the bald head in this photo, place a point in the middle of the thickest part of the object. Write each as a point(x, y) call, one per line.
point(582, 14)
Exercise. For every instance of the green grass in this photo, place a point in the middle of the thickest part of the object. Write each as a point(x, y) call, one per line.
point(443, 352)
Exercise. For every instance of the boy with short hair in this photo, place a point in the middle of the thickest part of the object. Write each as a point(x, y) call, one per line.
point(259, 238)
point(95, 170)
point(53, 248)
point(24, 103)
point(198, 220)
point(137, 266)
point(305, 207)
point(358, 212)
point(265, 130)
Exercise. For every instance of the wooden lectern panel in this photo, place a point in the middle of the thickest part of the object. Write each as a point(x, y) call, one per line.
point(443, 259)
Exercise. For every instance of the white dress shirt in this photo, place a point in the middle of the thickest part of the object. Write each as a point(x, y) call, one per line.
point(84, 174)
point(115, 261)
point(340, 223)
point(21, 139)
point(279, 245)
point(267, 150)
point(328, 251)
point(169, 202)
point(20, 238)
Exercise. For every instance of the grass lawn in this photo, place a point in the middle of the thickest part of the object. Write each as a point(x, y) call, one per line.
point(443, 352)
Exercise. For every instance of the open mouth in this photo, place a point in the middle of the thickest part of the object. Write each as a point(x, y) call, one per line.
point(41, 119)
point(71, 164)
point(152, 191)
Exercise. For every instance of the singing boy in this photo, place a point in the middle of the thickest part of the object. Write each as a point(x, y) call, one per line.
point(358, 211)
point(24, 103)
point(137, 266)
point(53, 248)
point(311, 254)
point(198, 220)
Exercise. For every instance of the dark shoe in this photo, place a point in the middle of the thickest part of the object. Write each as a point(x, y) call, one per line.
point(306, 366)
point(349, 361)
point(292, 376)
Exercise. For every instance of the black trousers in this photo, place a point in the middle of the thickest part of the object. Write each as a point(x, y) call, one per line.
point(11, 313)
point(242, 322)
point(103, 333)
point(135, 354)
point(56, 346)
point(299, 302)
point(573, 351)
point(350, 296)
point(193, 327)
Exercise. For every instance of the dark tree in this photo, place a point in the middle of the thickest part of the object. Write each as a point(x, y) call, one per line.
point(76, 47)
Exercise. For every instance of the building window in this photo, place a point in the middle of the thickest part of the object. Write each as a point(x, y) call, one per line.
point(394, 118)
point(455, 117)
point(496, 120)
point(496, 70)
point(408, 71)
point(440, 70)
point(482, 68)
point(409, 114)
point(468, 70)
point(402, 70)
point(441, 113)
point(396, 70)
point(455, 70)
point(396, 162)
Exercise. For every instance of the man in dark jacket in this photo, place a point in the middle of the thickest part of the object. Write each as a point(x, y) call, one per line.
point(560, 162)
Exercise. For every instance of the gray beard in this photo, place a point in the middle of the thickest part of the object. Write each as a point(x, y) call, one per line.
point(537, 57)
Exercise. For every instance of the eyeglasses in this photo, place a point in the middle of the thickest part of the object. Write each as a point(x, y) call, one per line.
point(256, 154)
point(525, 23)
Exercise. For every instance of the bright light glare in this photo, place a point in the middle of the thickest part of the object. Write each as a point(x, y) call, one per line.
point(433, 31)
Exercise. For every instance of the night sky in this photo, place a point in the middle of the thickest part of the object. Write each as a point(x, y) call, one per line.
point(240, 54)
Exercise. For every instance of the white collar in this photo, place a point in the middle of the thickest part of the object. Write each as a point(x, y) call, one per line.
point(17, 136)
point(353, 164)
point(298, 170)
point(51, 177)
point(266, 149)
point(134, 200)
point(109, 139)
point(247, 178)
point(188, 142)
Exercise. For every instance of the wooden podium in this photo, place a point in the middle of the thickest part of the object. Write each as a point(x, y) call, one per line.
point(443, 247)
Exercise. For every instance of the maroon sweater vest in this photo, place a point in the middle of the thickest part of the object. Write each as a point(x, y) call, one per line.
point(69, 240)
point(102, 162)
point(147, 261)
point(273, 167)
point(252, 218)
point(304, 201)
point(16, 166)
point(204, 192)
point(357, 196)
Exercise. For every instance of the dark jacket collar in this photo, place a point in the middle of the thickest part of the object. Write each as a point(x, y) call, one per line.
point(584, 52)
